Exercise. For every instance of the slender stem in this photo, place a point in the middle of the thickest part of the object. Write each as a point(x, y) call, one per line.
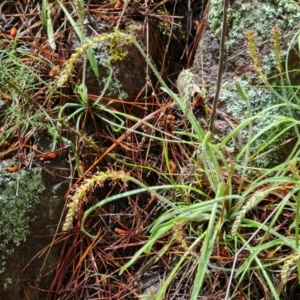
point(220, 69)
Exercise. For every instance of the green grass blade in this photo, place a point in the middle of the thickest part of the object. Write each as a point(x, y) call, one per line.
point(209, 241)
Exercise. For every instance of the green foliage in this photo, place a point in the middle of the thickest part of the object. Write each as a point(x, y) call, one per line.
point(224, 205)
point(259, 97)
point(203, 209)
point(261, 19)
point(19, 80)
point(12, 68)
point(78, 27)
point(264, 22)
point(108, 51)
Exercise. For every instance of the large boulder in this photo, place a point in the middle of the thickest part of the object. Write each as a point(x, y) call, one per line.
point(261, 17)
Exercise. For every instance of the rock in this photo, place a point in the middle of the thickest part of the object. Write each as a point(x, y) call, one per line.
point(261, 17)
point(30, 212)
point(128, 67)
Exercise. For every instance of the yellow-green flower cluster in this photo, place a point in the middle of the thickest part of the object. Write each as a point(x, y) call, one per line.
point(254, 54)
point(68, 69)
point(276, 34)
point(252, 202)
point(82, 190)
point(179, 234)
point(288, 267)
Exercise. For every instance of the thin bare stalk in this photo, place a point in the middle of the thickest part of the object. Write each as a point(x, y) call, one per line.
point(220, 68)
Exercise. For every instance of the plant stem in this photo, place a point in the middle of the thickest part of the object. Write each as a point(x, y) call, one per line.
point(220, 68)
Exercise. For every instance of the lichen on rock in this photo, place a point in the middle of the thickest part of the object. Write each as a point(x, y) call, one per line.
point(260, 17)
point(19, 192)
